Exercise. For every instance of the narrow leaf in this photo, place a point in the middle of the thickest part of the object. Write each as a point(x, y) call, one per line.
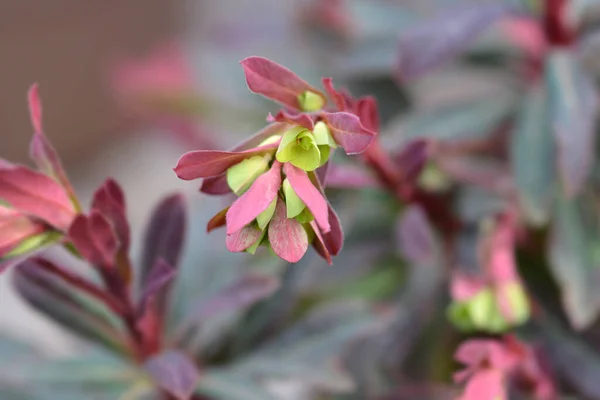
point(175, 373)
point(36, 194)
point(41, 150)
point(573, 110)
point(436, 40)
point(532, 157)
point(64, 306)
point(573, 254)
point(163, 240)
point(349, 177)
point(225, 385)
point(237, 296)
point(334, 239)
point(415, 236)
point(210, 163)
point(161, 275)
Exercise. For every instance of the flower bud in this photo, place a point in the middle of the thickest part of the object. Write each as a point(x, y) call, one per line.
point(298, 147)
point(310, 101)
point(483, 312)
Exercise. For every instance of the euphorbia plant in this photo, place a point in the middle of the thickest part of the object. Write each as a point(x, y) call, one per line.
point(127, 309)
point(278, 172)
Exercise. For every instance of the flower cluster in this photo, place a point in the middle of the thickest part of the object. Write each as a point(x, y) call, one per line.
point(36, 207)
point(495, 366)
point(496, 300)
point(279, 173)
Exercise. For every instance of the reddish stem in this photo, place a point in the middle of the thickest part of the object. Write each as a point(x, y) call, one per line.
point(118, 288)
point(401, 187)
point(558, 31)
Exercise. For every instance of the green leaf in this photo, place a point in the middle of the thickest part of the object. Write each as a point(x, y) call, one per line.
point(311, 101)
point(252, 249)
point(241, 176)
point(533, 156)
point(264, 217)
point(573, 110)
point(225, 385)
point(574, 254)
point(323, 135)
point(95, 375)
point(293, 203)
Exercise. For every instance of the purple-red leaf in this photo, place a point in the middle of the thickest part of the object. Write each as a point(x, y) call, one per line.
point(41, 150)
point(433, 42)
point(411, 159)
point(217, 221)
point(236, 296)
point(338, 98)
point(94, 237)
point(164, 235)
point(160, 276)
point(276, 82)
point(242, 239)
point(301, 119)
point(319, 243)
point(109, 200)
point(216, 185)
point(287, 236)
point(175, 373)
point(256, 200)
point(334, 239)
point(51, 296)
point(14, 228)
point(309, 194)
point(350, 177)
point(348, 132)
point(415, 236)
point(367, 110)
point(210, 163)
point(36, 194)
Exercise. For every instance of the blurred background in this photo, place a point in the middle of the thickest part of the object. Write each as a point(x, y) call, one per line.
point(127, 87)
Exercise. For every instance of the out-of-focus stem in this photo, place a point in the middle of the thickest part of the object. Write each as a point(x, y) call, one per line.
point(556, 24)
